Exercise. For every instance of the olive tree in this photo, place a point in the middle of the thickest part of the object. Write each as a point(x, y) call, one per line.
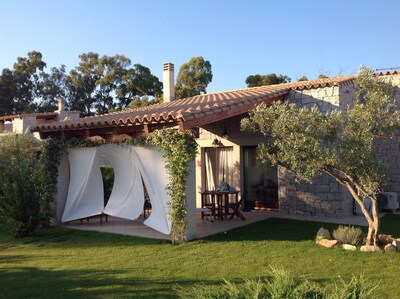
point(341, 144)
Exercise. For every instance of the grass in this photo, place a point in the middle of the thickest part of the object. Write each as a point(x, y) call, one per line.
point(64, 263)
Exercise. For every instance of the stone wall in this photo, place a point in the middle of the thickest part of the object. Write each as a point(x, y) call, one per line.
point(389, 151)
point(325, 98)
point(323, 198)
point(389, 148)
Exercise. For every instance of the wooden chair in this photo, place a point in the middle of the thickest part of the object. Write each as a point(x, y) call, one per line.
point(235, 209)
point(208, 202)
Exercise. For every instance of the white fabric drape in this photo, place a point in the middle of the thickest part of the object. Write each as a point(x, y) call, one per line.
point(209, 162)
point(155, 177)
point(218, 166)
point(127, 196)
point(226, 158)
point(85, 194)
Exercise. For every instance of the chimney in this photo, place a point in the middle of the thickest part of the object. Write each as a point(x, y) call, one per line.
point(61, 105)
point(168, 82)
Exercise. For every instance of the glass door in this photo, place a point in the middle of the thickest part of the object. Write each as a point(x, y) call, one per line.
point(218, 166)
point(260, 182)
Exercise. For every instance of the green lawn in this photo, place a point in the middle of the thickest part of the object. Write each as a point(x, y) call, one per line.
point(63, 263)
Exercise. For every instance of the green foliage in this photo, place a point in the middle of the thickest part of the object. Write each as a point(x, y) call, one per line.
point(107, 174)
point(322, 76)
point(302, 138)
point(280, 283)
point(310, 142)
point(193, 78)
point(348, 235)
point(139, 102)
point(179, 148)
point(52, 151)
point(98, 84)
point(20, 184)
point(241, 252)
point(302, 78)
point(270, 79)
point(20, 86)
point(358, 288)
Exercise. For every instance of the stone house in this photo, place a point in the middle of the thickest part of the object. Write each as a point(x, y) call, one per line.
point(20, 123)
point(228, 154)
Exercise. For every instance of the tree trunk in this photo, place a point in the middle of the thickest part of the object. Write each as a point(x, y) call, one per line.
point(375, 224)
point(373, 221)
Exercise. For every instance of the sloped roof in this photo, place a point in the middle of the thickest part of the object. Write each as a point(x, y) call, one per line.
point(37, 116)
point(194, 111)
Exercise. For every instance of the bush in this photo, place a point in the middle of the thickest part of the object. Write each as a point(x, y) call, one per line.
point(357, 288)
point(348, 235)
point(280, 284)
point(20, 184)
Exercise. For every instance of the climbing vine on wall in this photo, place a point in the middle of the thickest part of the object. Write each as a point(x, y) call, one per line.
point(178, 148)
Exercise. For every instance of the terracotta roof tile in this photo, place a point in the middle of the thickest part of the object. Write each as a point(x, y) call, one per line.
point(197, 107)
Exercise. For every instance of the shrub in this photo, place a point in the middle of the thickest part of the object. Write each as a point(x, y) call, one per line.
point(357, 288)
point(348, 235)
point(280, 284)
point(20, 184)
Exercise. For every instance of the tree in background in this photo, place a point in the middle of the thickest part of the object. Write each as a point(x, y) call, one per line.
point(193, 78)
point(138, 83)
point(270, 79)
point(340, 144)
point(302, 78)
point(20, 86)
point(7, 92)
point(52, 88)
point(96, 85)
point(322, 76)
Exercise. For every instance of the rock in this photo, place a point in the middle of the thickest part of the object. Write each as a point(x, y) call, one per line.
point(370, 248)
point(385, 239)
point(397, 244)
point(323, 233)
point(349, 247)
point(390, 248)
point(327, 243)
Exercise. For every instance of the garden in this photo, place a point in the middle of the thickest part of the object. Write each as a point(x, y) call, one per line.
point(64, 263)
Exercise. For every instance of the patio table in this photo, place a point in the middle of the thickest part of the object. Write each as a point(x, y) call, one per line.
point(219, 202)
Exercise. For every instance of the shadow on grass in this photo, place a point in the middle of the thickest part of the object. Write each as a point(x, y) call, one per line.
point(29, 282)
point(70, 238)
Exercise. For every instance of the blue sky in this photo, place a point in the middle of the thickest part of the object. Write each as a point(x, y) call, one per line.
point(239, 38)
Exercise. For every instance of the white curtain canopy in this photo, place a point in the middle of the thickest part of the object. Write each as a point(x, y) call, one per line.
point(132, 166)
point(127, 196)
point(156, 180)
point(85, 194)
